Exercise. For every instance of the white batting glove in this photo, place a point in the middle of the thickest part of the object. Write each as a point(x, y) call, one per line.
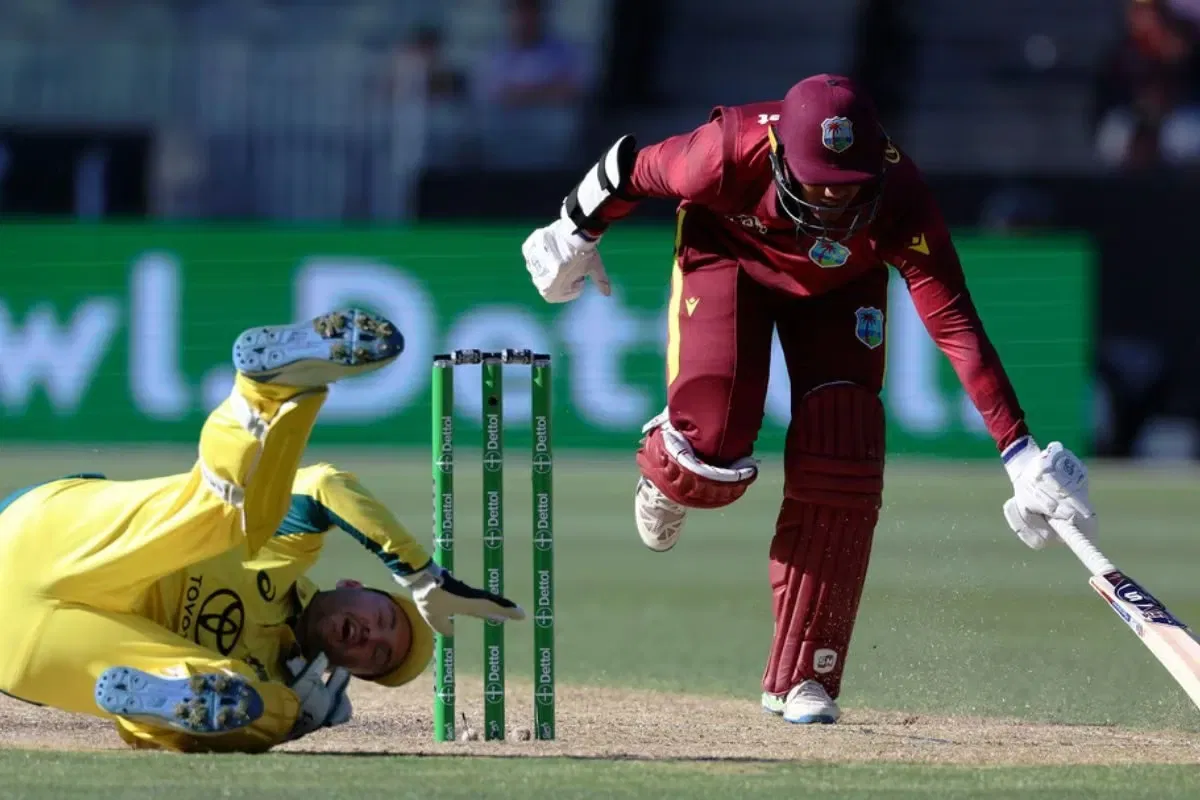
point(1047, 484)
point(323, 704)
point(559, 258)
point(439, 596)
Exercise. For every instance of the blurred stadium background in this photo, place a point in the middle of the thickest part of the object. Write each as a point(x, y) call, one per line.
point(204, 160)
point(174, 171)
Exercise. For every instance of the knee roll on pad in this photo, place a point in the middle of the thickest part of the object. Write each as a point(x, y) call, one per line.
point(667, 459)
point(834, 453)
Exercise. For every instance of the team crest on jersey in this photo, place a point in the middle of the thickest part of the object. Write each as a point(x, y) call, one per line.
point(868, 326)
point(827, 254)
point(837, 134)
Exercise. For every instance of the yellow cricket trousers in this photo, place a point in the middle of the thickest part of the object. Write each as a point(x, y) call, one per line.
point(78, 555)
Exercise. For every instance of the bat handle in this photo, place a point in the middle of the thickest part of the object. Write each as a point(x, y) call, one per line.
point(1083, 549)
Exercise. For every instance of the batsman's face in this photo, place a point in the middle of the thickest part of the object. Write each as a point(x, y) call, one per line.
point(357, 628)
point(834, 198)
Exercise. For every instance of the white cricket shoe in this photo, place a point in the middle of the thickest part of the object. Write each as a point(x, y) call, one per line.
point(659, 519)
point(806, 704)
point(318, 352)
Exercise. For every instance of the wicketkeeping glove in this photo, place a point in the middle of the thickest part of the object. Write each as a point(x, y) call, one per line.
point(323, 704)
point(439, 596)
point(1047, 484)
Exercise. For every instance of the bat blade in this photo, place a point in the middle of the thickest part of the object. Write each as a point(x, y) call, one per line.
point(1163, 634)
point(1171, 642)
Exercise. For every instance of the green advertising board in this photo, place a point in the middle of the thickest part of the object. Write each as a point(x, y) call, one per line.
point(122, 333)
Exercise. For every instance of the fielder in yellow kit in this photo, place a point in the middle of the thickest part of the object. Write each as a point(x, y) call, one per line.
point(121, 598)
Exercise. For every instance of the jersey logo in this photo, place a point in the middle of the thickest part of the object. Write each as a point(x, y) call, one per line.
point(749, 221)
point(691, 304)
point(868, 326)
point(891, 155)
point(827, 255)
point(837, 134)
point(219, 621)
point(266, 589)
point(918, 244)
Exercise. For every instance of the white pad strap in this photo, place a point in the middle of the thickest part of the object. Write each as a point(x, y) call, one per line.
point(681, 452)
point(230, 493)
point(247, 417)
point(258, 427)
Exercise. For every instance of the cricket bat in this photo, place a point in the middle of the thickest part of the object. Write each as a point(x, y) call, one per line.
point(1171, 641)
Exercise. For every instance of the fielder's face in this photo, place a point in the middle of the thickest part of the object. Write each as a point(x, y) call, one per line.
point(357, 628)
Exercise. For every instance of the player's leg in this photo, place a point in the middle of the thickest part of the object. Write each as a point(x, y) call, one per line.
point(164, 690)
point(697, 453)
point(254, 449)
point(833, 486)
point(103, 543)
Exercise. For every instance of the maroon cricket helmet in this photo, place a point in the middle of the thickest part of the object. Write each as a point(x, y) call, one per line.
point(828, 134)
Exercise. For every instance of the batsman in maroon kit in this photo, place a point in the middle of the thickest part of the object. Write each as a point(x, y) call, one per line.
point(790, 213)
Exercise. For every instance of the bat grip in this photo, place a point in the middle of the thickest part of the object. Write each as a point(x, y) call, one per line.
point(1083, 549)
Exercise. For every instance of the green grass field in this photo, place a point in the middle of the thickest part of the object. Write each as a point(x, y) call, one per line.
point(958, 618)
point(65, 776)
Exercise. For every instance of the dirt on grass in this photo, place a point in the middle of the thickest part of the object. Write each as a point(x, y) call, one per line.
point(606, 723)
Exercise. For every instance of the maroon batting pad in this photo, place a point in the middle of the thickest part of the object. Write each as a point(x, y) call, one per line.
point(833, 466)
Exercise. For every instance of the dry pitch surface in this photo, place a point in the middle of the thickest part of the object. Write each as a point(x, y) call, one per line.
point(624, 724)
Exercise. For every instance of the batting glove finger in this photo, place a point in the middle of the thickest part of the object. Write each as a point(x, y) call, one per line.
point(1031, 528)
point(599, 276)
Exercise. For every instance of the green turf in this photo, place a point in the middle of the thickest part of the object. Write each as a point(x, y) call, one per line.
point(62, 775)
point(958, 618)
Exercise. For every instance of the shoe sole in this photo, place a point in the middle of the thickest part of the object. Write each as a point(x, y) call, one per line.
point(780, 710)
point(807, 719)
point(657, 549)
point(811, 719)
point(200, 704)
point(324, 350)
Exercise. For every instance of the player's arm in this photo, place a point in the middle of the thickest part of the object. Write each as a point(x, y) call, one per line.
point(922, 251)
point(561, 255)
point(687, 166)
point(325, 497)
point(1049, 483)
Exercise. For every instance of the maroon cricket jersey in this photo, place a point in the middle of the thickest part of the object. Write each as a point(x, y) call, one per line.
point(721, 173)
